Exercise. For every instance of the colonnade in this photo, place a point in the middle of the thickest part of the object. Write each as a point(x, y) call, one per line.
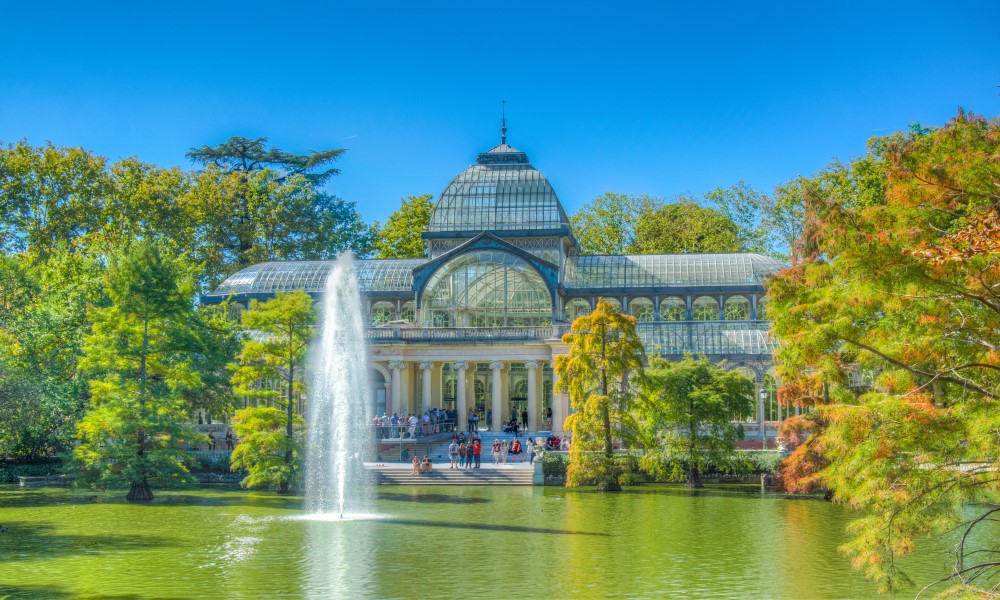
point(400, 399)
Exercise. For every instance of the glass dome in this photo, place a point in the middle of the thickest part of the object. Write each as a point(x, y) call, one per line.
point(486, 288)
point(501, 192)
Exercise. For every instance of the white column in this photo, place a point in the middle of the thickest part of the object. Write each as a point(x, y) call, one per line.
point(396, 366)
point(532, 367)
point(461, 409)
point(497, 404)
point(426, 368)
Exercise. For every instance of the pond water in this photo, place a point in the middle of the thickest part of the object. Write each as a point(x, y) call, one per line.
point(433, 542)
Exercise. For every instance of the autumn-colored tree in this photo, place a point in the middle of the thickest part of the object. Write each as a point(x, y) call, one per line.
point(604, 362)
point(896, 273)
point(271, 367)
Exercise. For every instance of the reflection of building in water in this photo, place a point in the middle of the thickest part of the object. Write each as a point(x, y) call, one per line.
point(477, 323)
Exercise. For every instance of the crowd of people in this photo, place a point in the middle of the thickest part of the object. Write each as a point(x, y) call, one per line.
point(413, 426)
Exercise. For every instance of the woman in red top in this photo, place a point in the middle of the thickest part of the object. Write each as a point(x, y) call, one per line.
point(477, 451)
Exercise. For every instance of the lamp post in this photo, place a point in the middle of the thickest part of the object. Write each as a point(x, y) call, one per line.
point(763, 434)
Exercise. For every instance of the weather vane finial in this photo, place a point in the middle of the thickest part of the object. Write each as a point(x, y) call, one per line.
point(503, 122)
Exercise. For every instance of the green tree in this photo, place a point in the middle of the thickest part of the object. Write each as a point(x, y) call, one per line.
point(683, 226)
point(608, 223)
point(272, 363)
point(400, 238)
point(604, 361)
point(238, 219)
point(44, 312)
point(49, 197)
point(747, 209)
point(245, 155)
point(140, 357)
point(693, 404)
point(896, 274)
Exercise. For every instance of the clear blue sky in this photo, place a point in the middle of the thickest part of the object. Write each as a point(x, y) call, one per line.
point(660, 98)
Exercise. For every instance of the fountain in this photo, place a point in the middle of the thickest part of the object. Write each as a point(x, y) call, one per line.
point(339, 439)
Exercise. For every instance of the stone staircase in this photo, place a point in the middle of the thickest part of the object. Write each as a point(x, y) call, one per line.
point(403, 475)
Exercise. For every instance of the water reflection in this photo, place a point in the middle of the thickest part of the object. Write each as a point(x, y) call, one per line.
point(338, 559)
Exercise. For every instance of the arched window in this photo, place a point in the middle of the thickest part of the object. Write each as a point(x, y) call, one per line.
point(673, 309)
point(705, 308)
point(614, 303)
point(486, 288)
point(642, 309)
point(762, 308)
point(407, 311)
point(383, 312)
point(575, 308)
point(737, 308)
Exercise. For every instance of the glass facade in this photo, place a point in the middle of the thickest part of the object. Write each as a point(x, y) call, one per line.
point(486, 289)
point(666, 270)
point(502, 192)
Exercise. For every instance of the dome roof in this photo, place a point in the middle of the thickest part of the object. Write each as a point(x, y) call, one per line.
point(501, 192)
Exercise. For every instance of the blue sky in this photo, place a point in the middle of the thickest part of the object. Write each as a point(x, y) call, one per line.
point(660, 98)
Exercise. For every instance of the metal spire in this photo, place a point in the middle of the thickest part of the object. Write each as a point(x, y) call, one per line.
point(503, 122)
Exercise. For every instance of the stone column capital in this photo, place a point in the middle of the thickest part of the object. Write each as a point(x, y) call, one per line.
point(461, 365)
point(531, 365)
point(397, 365)
point(496, 365)
point(426, 365)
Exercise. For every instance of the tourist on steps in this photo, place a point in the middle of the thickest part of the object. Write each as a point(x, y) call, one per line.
point(461, 455)
point(504, 449)
point(453, 454)
point(496, 451)
point(515, 451)
point(477, 452)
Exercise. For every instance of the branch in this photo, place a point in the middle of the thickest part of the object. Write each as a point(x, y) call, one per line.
point(920, 372)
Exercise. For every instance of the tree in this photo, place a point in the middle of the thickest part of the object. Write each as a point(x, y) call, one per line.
point(140, 357)
point(238, 219)
point(605, 359)
point(608, 223)
point(693, 403)
point(269, 364)
point(400, 238)
point(747, 209)
point(896, 273)
point(49, 197)
point(245, 155)
point(682, 227)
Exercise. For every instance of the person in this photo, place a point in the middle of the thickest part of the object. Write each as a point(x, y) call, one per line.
point(496, 451)
point(515, 450)
point(426, 421)
point(564, 444)
point(229, 439)
point(475, 421)
point(511, 426)
point(461, 437)
point(211, 441)
point(524, 419)
point(477, 451)
point(453, 454)
point(461, 455)
point(530, 449)
point(394, 421)
point(503, 452)
point(425, 465)
point(489, 419)
point(412, 424)
point(468, 419)
point(416, 466)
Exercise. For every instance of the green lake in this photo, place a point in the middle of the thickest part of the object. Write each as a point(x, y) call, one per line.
point(434, 542)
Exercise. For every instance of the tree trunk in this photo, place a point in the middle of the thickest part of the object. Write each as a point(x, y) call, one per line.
point(140, 491)
point(693, 477)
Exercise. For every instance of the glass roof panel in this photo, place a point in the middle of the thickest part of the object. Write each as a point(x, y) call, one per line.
point(394, 275)
point(501, 192)
point(664, 270)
